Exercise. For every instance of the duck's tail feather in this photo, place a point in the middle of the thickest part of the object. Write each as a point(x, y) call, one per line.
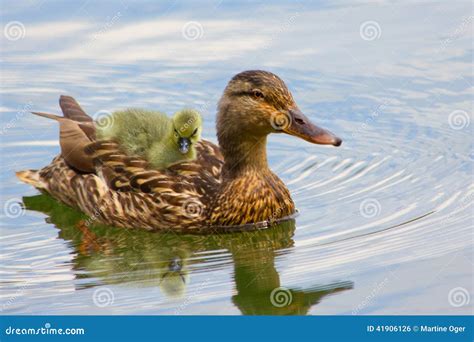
point(31, 177)
point(47, 115)
point(72, 110)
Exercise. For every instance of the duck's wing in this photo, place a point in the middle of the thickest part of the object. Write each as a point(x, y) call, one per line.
point(133, 174)
point(73, 138)
point(76, 131)
point(72, 110)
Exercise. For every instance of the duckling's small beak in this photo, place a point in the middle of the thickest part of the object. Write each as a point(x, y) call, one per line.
point(175, 265)
point(183, 145)
point(300, 126)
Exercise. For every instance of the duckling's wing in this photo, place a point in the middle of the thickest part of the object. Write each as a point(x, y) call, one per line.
point(136, 130)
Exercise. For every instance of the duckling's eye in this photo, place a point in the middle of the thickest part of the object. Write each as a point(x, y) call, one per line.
point(176, 133)
point(194, 132)
point(257, 94)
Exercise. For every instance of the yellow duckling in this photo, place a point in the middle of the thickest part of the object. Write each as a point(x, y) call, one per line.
point(161, 140)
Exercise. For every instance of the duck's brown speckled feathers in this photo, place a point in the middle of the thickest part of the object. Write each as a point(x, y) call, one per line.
point(123, 192)
point(227, 186)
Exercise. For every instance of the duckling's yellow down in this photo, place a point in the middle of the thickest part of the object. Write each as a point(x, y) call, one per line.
point(161, 140)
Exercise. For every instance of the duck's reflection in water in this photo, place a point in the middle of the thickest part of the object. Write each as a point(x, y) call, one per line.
point(139, 258)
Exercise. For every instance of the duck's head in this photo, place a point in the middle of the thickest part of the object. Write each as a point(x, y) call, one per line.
point(187, 129)
point(256, 103)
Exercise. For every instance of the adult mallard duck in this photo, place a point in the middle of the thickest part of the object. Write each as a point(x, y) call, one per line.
point(226, 186)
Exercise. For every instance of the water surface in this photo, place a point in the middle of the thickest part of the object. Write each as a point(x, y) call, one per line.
point(385, 224)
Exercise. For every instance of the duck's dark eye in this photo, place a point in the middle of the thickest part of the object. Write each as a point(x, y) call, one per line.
point(195, 131)
point(257, 94)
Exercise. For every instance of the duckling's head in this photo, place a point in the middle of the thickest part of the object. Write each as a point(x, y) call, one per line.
point(256, 103)
point(187, 129)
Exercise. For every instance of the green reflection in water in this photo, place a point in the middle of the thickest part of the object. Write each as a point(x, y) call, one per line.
point(140, 258)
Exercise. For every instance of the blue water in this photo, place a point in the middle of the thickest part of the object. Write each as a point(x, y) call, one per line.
point(385, 224)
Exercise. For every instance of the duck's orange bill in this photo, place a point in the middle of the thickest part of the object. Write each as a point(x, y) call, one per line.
point(300, 126)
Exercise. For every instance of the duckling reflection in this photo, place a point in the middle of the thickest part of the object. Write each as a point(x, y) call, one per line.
point(140, 258)
point(173, 282)
point(109, 258)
